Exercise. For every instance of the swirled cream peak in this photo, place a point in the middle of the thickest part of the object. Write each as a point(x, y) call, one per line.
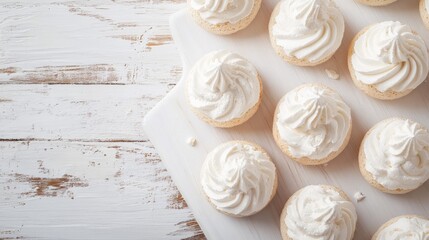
point(397, 154)
point(405, 228)
point(390, 56)
point(308, 29)
point(313, 120)
point(222, 11)
point(238, 178)
point(223, 86)
point(318, 212)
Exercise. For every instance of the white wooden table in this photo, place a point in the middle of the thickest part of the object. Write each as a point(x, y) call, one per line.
point(76, 80)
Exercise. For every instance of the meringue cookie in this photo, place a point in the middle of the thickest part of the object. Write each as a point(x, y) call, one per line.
point(424, 12)
point(407, 227)
point(239, 178)
point(318, 212)
point(224, 16)
point(224, 89)
point(312, 124)
point(394, 155)
point(388, 60)
point(306, 32)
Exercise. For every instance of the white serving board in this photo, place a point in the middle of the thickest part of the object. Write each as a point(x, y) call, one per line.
point(171, 123)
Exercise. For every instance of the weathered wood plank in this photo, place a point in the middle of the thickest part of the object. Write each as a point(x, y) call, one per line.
point(73, 159)
point(89, 190)
point(115, 42)
point(76, 112)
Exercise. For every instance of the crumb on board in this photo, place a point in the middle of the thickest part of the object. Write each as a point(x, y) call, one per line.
point(359, 196)
point(325, 164)
point(332, 74)
point(192, 141)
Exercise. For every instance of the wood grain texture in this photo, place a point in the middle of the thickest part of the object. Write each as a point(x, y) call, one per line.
point(76, 80)
point(99, 190)
point(76, 112)
point(87, 42)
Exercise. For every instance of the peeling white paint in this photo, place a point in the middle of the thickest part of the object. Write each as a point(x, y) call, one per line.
point(127, 196)
point(118, 35)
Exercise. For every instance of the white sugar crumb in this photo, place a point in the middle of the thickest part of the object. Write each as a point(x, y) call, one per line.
point(332, 74)
point(192, 141)
point(325, 165)
point(359, 196)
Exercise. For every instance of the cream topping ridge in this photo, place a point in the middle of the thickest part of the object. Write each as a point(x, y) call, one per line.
point(222, 11)
point(223, 86)
point(397, 154)
point(308, 29)
point(390, 56)
point(313, 121)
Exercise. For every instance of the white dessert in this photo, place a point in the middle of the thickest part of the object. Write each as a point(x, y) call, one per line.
point(397, 154)
point(238, 178)
point(404, 228)
point(223, 86)
point(390, 57)
point(313, 121)
point(320, 212)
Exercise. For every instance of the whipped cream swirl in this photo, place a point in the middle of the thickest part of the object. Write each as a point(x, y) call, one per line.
point(223, 86)
point(308, 29)
point(318, 212)
point(238, 178)
point(313, 121)
point(222, 11)
point(397, 154)
point(405, 228)
point(391, 57)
